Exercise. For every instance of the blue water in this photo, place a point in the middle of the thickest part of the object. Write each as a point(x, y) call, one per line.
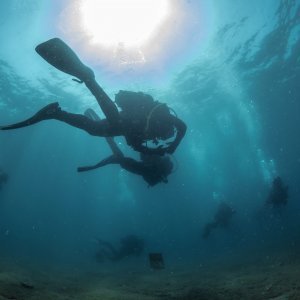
point(232, 74)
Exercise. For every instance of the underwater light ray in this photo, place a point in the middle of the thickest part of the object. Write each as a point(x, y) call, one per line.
point(110, 22)
point(150, 58)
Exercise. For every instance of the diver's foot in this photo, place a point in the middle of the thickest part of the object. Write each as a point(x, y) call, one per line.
point(50, 111)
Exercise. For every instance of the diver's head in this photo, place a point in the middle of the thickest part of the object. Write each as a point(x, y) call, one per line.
point(161, 167)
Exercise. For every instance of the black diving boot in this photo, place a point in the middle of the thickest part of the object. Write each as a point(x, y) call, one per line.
point(46, 113)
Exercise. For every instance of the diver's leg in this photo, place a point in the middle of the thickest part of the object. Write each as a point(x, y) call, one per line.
point(101, 128)
point(108, 107)
point(53, 111)
point(45, 113)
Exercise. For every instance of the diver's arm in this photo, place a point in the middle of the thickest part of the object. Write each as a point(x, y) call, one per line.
point(181, 130)
point(109, 160)
point(129, 164)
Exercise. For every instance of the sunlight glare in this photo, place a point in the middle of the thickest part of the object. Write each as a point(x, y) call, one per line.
point(130, 22)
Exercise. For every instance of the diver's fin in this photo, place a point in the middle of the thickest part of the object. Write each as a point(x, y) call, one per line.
point(86, 168)
point(45, 113)
point(61, 56)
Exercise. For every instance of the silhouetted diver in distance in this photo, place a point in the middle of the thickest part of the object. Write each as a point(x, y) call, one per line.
point(222, 219)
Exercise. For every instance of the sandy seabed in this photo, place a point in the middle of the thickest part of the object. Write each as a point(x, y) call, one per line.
point(276, 279)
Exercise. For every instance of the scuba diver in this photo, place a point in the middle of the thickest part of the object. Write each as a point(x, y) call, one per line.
point(222, 219)
point(278, 195)
point(141, 119)
point(3, 178)
point(153, 168)
point(131, 245)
